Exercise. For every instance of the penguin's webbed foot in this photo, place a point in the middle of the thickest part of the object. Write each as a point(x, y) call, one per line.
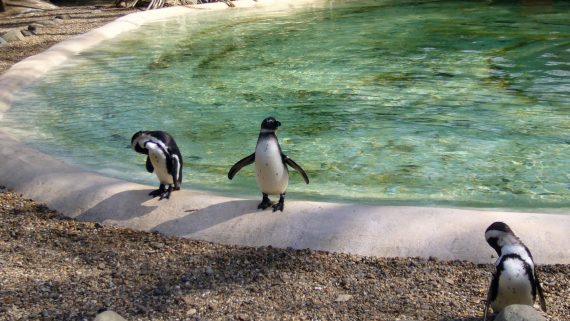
point(166, 194)
point(162, 192)
point(280, 205)
point(157, 192)
point(265, 202)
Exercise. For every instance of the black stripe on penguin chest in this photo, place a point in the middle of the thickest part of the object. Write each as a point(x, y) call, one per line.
point(528, 275)
point(159, 157)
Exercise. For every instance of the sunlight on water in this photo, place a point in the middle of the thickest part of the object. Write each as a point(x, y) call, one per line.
point(440, 103)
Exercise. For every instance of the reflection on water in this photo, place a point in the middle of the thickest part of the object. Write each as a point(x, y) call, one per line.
point(448, 103)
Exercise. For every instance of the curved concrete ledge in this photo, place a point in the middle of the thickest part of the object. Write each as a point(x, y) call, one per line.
point(389, 231)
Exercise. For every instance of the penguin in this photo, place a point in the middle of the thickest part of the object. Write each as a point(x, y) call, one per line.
point(163, 158)
point(271, 172)
point(515, 280)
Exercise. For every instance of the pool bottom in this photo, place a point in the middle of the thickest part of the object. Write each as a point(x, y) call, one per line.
point(399, 136)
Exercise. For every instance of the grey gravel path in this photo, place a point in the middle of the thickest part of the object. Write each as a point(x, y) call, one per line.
point(55, 268)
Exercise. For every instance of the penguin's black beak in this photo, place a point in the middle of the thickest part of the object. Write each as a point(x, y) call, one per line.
point(278, 123)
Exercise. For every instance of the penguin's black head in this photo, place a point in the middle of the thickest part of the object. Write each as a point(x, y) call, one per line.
point(500, 234)
point(499, 226)
point(270, 123)
point(135, 142)
point(136, 135)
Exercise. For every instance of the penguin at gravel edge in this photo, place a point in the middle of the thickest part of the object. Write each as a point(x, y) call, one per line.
point(163, 158)
point(272, 174)
point(515, 280)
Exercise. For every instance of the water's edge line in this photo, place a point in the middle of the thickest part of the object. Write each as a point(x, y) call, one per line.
point(445, 233)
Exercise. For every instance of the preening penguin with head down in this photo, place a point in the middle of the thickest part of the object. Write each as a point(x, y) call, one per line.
point(163, 158)
point(271, 172)
point(515, 280)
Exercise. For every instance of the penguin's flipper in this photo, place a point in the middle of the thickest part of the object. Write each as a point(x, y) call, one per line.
point(487, 303)
point(176, 171)
point(241, 164)
point(149, 166)
point(540, 292)
point(491, 294)
point(296, 166)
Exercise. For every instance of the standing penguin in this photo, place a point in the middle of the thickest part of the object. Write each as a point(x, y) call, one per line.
point(271, 170)
point(515, 280)
point(164, 159)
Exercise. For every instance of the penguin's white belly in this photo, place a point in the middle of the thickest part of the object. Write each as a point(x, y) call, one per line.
point(158, 160)
point(514, 286)
point(271, 174)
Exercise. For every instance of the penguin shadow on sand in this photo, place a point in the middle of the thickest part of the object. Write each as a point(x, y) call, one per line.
point(196, 220)
point(121, 206)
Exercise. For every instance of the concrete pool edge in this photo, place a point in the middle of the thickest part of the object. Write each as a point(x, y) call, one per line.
point(365, 230)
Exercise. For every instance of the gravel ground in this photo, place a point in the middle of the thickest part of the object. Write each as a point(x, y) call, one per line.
point(51, 30)
point(55, 268)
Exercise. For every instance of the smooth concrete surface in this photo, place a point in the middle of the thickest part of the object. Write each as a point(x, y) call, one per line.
point(388, 231)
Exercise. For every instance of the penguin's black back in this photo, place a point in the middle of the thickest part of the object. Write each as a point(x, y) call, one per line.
point(167, 139)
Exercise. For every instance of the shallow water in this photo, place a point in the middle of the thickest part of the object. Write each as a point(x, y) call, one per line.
point(455, 103)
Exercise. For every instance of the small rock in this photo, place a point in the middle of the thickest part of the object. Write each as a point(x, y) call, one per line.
point(449, 281)
point(27, 33)
point(242, 317)
point(343, 298)
point(191, 312)
point(519, 312)
point(157, 245)
point(109, 316)
point(13, 35)
point(2, 42)
point(209, 270)
point(33, 27)
point(62, 16)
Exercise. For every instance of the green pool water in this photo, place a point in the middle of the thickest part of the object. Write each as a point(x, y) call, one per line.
point(448, 103)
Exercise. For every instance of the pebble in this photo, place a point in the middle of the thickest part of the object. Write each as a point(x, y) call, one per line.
point(343, 298)
point(109, 316)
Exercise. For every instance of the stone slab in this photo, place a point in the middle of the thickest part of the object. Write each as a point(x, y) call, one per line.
point(13, 35)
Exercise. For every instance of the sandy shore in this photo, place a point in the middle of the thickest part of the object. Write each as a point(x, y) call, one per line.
point(54, 268)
